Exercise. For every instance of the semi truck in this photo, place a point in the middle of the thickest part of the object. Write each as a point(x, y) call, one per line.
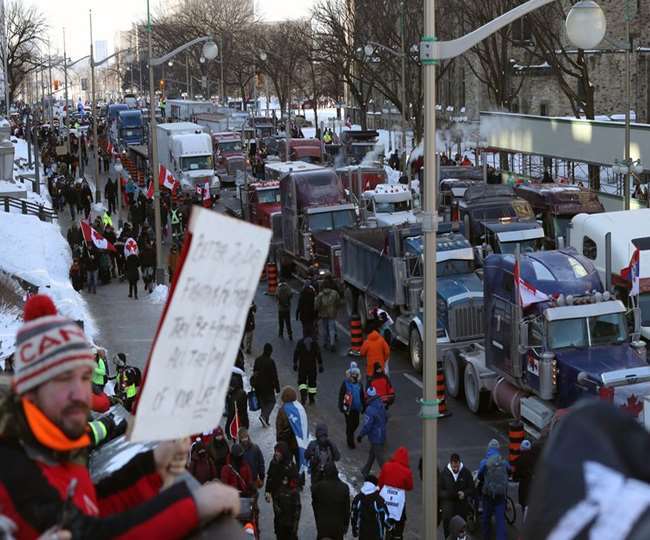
point(186, 151)
point(553, 335)
point(588, 235)
point(314, 213)
point(309, 150)
point(387, 204)
point(555, 204)
point(359, 178)
point(229, 158)
point(361, 146)
point(130, 128)
point(383, 267)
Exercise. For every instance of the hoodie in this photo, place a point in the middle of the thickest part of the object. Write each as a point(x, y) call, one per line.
point(319, 450)
point(376, 350)
point(330, 499)
point(396, 472)
point(456, 525)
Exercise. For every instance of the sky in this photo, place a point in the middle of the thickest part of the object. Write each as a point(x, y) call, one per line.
point(111, 16)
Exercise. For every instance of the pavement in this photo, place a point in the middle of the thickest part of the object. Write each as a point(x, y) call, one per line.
point(128, 325)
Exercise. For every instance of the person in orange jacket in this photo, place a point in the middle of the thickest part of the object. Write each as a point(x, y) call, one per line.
point(375, 350)
point(395, 479)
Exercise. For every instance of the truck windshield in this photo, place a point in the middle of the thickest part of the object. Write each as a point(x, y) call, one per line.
point(454, 267)
point(128, 131)
point(196, 163)
point(608, 329)
point(527, 246)
point(329, 221)
point(644, 304)
point(390, 207)
point(230, 146)
point(561, 225)
point(268, 196)
point(358, 153)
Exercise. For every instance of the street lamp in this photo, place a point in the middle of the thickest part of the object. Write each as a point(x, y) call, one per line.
point(118, 168)
point(431, 52)
point(586, 24)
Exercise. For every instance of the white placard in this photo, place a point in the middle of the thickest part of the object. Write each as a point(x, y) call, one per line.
point(190, 364)
point(395, 499)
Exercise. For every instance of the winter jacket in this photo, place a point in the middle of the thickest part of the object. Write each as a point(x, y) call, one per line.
point(317, 449)
point(307, 357)
point(202, 465)
point(265, 378)
point(34, 482)
point(376, 350)
point(327, 303)
point(236, 396)
point(482, 469)
point(449, 485)
point(255, 459)
point(132, 268)
point(238, 476)
point(396, 471)
point(283, 431)
point(283, 295)
point(369, 513)
point(374, 421)
point(306, 310)
point(330, 499)
point(219, 451)
point(384, 388)
point(358, 395)
point(282, 475)
point(524, 472)
point(75, 277)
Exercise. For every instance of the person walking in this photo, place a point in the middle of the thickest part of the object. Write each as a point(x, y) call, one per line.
point(380, 382)
point(283, 295)
point(201, 464)
point(237, 473)
point(291, 425)
point(75, 275)
point(92, 271)
point(110, 193)
point(351, 401)
point(327, 304)
point(369, 512)
point(307, 361)
point(395, 479)
point(320, 453)
point(219, 449)
point(375, 350)
point(236, 406)
point(249, 328)
point(282, 482)
point(133, 274)
point(330, 500)
point(265, 382)
point(525, 472)
point(172, 262)
point(456, 490)
point(374, 426)
point(493, 479)
point(253, 456)
point(306, 310)
point(44, 444)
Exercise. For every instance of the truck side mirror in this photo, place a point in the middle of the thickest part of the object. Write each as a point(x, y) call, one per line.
point(523, 337)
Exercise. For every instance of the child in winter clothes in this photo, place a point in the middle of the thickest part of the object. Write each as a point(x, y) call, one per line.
point(352, 401)
point(381, 383)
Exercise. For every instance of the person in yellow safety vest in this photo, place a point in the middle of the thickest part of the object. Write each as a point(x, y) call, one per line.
point(100, 375)
point(177, 228)
point(98, 432)
point(107, 219)
point(129, 387)
point(327, 137)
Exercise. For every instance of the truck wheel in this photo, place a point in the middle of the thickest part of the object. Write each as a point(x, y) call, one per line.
point(454, 368)
point(476, 400)
point(416, 350)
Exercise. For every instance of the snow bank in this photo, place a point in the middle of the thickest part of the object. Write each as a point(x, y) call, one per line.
point(37, 252)
point(158, 295)
point(10, 321)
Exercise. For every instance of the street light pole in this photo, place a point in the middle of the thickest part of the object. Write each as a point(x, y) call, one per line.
point(5, 48)
point(65, 81)
point(222, 90)
point(93, 112)
point(406, 168)
point(628, 102)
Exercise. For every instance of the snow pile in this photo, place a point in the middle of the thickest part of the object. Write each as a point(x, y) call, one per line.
point(37, 252)
point(10, 321)
point(159, 294)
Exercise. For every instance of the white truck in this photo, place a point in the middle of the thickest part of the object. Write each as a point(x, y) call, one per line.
point(186, 151)
point(588, 235)
point(388, 204)
point(185, 110)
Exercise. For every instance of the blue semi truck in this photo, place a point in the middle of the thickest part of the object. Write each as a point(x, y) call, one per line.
point(571, 340)
point(130, 127)
point(383, 268)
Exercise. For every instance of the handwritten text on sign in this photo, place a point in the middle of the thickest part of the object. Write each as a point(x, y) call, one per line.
point(190, 365)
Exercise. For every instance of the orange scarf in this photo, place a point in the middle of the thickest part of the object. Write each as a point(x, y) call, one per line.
point(47, 433)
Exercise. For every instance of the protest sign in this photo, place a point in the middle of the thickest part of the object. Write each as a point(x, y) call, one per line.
point(192, 356)
point(395, 499)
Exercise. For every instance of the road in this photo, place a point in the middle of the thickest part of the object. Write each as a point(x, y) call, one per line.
point(128, 325)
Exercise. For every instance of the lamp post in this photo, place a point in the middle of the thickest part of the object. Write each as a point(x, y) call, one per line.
point(210, 52)
point(590, 31)
point(118, 167)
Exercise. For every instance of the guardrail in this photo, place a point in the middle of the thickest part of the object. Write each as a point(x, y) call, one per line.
point(27, 208)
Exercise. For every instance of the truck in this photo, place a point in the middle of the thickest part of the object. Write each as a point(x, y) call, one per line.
point(555, 204)
point(309, 150)
point(186, 151)
point(359, 178)
point(588, 235)
point(229, 158)
point(361, 146)
point(314, 213)
point(497, 221)
point(130, 129)
point(186, 110)
point(383, 267)
point(387, 204)
point(553, 335)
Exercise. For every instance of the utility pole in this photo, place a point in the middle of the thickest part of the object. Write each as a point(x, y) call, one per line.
point(628, 101)
point(406, 169)
point(49, 69)
point(65, 81)
point(187, 74)
point(93, 112)
point(224, 101)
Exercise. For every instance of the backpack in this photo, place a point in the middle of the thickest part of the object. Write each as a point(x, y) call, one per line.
point(495, 483)
point(352, 397)
point(322, 457)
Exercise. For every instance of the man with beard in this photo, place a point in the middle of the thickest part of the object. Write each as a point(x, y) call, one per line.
point(44, 480)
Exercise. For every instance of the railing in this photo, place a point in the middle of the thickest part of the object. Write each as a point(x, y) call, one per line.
point(27, 208)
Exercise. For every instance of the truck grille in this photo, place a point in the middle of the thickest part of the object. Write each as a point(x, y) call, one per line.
point(466, 321)
point(234, 165)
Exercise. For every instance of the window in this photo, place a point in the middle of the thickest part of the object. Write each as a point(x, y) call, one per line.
point(543, 109)
point(195, 163)
point(589, 248)
point(536, 333)
point(521, 30)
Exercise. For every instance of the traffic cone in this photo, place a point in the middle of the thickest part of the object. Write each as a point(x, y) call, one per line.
point(516, 435)
point(441, 389)
point(271, 278)
point(356, 336)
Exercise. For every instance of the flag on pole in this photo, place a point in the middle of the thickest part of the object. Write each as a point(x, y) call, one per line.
point(131, 247)
point(166, 178)
point(91, 235)
point(632, 272)
point(234, 424)
point(526, 293)
point(206, 191)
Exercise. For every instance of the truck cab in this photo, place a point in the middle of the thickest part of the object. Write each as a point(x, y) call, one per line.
point(504, 235)
point(555, 204)
point(260, 201)
point(387, 204)
point(130, 129)
point(358, 178)
point(229, 158)
point(307, 150)
point(361, 146)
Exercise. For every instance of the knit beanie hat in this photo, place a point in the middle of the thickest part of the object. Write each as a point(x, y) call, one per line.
point(371, 392)
point(354, 369)
point(494, 444)
point(47, 345)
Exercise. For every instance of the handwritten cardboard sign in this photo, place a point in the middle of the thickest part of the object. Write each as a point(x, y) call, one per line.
point(191, 360)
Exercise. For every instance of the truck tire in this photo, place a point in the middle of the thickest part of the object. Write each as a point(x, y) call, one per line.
point(454, 370)
point(416, 350)
point(476, 400)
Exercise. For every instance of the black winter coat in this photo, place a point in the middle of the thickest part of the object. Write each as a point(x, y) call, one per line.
point(265, 378)
point(330, 499)
point(306, 310)
point(449, 489)
point(307, 357)
point(132, 268)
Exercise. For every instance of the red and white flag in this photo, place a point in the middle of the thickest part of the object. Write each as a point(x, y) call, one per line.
point(131, 247)
point(166, 178)
point(150, 190)
point(206, 191)
point(632, 271)
point(527, 294)
point(91, 235)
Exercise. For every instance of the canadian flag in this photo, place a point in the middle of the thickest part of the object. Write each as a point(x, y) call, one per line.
point(91, 235)
point(166, 178)
point(233, 428)
point(131, 247)
point(631, 272)
point(527, 294)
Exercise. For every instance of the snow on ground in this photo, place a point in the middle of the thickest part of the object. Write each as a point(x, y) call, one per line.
point(10, 321)
point(21, 167)
point(40, 255)
point(158, 295)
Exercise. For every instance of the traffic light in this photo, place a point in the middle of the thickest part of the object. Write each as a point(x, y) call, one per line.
point(162, 84)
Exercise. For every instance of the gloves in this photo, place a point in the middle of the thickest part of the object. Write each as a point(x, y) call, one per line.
point(320, 369)
point(359, 438)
